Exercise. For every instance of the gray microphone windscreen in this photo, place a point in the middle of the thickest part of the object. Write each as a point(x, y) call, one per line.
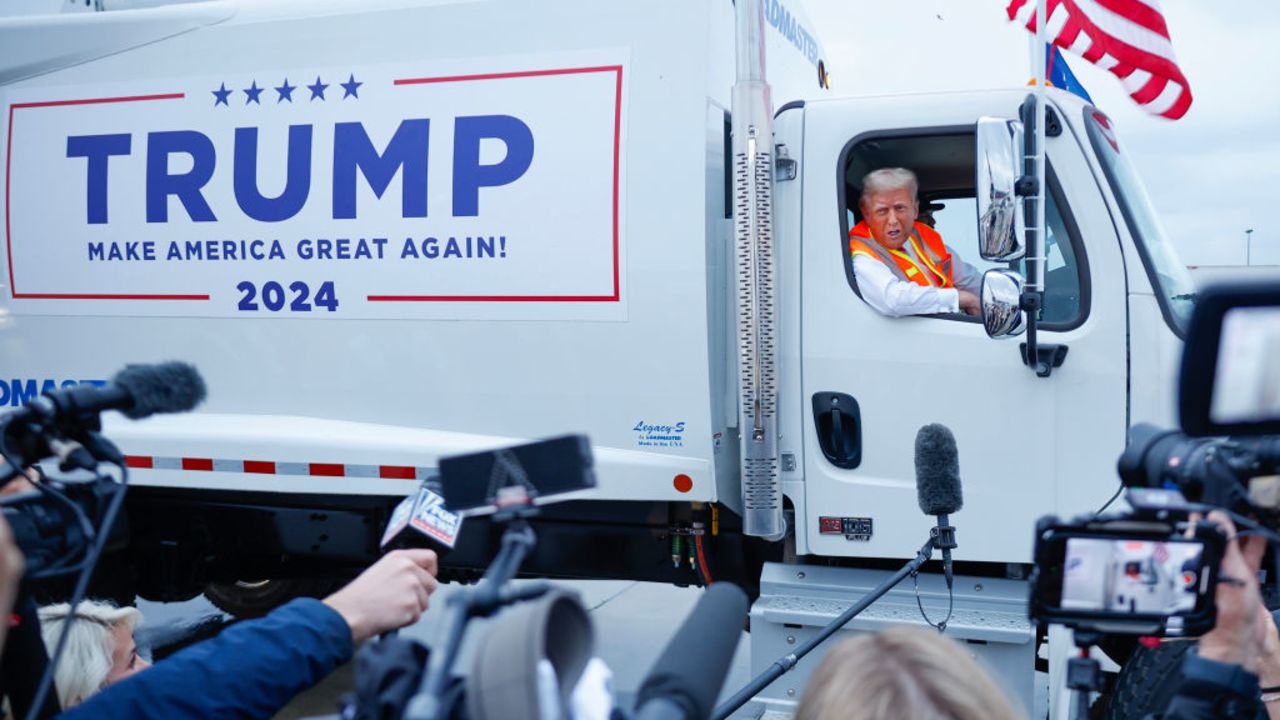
point(692, 668)
point(164, 388)
point(937, 471)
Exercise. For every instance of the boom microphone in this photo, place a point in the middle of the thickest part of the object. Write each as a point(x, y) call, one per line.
point(32, 432)
point(686, 679)
point(938, 485)
point(137, 391)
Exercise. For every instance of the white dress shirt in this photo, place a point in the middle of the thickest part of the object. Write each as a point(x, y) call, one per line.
point(882, 290)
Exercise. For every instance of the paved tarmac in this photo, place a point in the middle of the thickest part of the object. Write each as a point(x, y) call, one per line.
point(633, 622)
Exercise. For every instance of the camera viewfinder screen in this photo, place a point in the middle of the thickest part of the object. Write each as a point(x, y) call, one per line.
point(1247, 380)
point(1142, 577)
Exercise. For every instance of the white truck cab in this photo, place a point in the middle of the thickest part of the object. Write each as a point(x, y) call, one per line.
point(387, 232)
point(1070, 426)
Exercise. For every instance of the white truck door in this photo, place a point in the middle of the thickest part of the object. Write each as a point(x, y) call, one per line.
point(1028, 445)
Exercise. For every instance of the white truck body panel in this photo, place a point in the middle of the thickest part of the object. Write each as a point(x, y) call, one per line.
point(598, 324)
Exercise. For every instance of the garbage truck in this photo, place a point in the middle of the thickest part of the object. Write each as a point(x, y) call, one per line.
point(387, 232)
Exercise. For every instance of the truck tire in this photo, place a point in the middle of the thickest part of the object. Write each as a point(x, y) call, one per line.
point(1148, 681)
point(255, 598)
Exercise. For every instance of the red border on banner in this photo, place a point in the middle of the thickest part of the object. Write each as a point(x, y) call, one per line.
point(8, 185)
point(615, 296)
point(617, 141)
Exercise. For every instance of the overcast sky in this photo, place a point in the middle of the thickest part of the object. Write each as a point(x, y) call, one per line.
point(1211, 174)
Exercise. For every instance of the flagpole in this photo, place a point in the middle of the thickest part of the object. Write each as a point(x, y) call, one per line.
point(1036, 261)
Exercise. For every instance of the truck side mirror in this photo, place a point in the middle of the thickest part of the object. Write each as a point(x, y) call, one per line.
point(999, 159)
point(1002, 303)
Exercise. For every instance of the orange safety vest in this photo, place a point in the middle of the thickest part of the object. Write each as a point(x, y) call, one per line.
point(936, 268)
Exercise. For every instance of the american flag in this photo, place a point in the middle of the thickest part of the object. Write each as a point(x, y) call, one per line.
point(1126, 37)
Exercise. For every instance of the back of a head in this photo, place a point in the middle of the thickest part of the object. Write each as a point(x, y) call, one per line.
point(86, 658)
point(903, 672)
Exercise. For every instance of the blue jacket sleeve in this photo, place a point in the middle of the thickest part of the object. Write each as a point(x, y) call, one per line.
point(250, 670)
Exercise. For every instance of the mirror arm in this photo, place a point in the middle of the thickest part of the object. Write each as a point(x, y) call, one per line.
point(1031, 302)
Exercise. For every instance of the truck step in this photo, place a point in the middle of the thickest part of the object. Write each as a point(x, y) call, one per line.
point(797, 601)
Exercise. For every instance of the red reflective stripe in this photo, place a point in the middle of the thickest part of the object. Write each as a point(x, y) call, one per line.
point(269, 467)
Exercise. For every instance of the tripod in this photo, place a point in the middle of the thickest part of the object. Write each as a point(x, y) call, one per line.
point(1084, 674)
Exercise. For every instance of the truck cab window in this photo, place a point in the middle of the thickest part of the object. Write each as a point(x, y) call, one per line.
point(943, 168)
point(953, 218)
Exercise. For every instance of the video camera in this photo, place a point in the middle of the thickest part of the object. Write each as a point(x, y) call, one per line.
point(1153, 571)
point(58, 519)
point(56, 525)
point(63, 524)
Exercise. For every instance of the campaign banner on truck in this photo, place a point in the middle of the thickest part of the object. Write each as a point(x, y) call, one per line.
point(419, 191)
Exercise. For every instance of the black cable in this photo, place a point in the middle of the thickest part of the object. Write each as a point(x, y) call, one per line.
point(1107, 504)
point(940, 626)
point(20, 465)
point(86, 527)
point(82, 585)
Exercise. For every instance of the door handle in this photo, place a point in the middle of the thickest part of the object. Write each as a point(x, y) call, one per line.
point(838, 421)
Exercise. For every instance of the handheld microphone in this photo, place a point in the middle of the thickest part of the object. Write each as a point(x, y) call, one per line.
point(938, 485)
point(687, 677)
point(421, 520)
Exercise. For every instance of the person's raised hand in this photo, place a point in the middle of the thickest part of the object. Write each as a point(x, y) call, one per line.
point(1238, 635)
point(1269, 654)
point(390, 594)
point(969, 303)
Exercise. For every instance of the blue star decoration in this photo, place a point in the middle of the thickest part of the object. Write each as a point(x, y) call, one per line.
point(252, 92)
point(317, 90)
point(350, 87)
point(286, 91)
point(221, 94)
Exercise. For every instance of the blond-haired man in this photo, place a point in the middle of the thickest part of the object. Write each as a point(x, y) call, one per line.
point(902, 266)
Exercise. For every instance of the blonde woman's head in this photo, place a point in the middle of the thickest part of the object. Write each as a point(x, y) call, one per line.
point(99, 650)
point(903, 672)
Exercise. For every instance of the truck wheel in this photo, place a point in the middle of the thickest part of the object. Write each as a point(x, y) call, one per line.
point(255, 598)
point(1148, 681)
